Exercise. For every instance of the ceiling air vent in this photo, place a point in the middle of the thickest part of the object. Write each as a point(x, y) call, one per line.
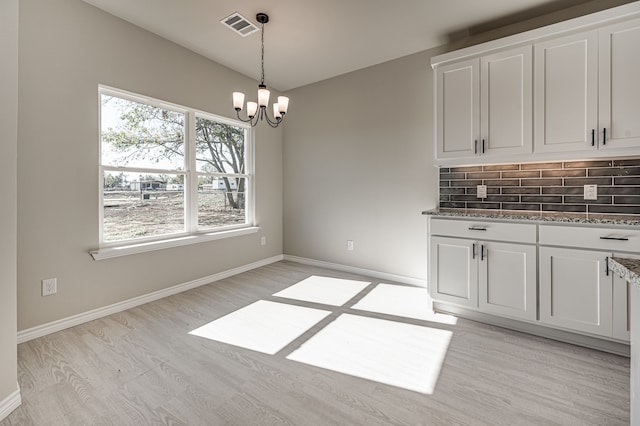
point(239, 24)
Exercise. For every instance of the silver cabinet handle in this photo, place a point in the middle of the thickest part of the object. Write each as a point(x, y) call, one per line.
point(482, 252)
point(606, 266)
point(473, 251)
point(474, 228)
point(615, 238)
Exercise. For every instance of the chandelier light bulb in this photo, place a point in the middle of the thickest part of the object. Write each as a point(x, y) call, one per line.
point(283, 104)
point(238, 100)
point(263, 96)
point(252, 108)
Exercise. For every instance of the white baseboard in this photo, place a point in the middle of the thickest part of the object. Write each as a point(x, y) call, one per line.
point(10, 403)
point(360, 271)
point(64, 323)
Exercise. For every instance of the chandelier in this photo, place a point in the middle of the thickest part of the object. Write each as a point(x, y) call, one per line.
point(257, 111)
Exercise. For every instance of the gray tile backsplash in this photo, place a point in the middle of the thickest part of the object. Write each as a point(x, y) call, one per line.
point(556, 186)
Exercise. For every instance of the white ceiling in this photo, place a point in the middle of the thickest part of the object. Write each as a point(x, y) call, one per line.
point(308, 41)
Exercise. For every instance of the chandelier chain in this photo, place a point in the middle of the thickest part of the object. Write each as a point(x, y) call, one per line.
point(262, 55)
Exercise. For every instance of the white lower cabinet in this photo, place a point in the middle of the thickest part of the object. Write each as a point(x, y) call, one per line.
point(492, 276)
point(576, 290)
point(551, 275)
point(454, 271)
point(507, 279)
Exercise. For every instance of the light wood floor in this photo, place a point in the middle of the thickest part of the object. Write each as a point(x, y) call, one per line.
point(142, 367)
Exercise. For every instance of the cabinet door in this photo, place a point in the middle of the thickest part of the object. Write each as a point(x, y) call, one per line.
point(621, 304)
point(507, 279)
point(575, 291)
point(454, 271)
point(457, 109)
point(566, 93)
point(619, 85)
point(506, 102)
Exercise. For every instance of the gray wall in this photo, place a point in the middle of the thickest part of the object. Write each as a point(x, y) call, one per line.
point(358, 161)
point(8, 145)
point(67, 48)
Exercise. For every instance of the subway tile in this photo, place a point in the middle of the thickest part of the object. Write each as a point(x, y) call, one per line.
point(452, 205)
point(444, 183)
point(521, 174)
point(540, 166)
point(521, 190)
point(444, 198)
point(587, 181)
point(587, 164)
point(466, 169)
point(466, 183)
point(623, 199)
point(627, 162)
point(619, 190)
point(564, 190)
point(452, 191)
point(541, 182)
point(492, 206)
point(521, 206)
point(565, 173)
point(452, 176)
point(613, 209)
point(580, 200)
point(615, 171)
point(626, 181)
point(503, 198)
point(501, 167)
point(541, 199)
point(484, 175)
point(444, 170)
point(502, 182)
point(464, 198)
point(573, 208)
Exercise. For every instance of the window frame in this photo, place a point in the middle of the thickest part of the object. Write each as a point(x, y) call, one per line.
point(192, 232)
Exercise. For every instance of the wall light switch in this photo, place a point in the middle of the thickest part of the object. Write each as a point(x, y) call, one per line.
point(481, 191)
point(591, 192)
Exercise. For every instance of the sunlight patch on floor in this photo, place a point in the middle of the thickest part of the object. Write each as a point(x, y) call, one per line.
point(324, 290)
point(397, 354)
point(402, 301)
point(263, 326)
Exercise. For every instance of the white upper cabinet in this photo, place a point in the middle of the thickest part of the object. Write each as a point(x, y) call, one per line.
point(566, 93)
point(619, 87)
point(484, 105)
point(505, 108)
point(458, 103)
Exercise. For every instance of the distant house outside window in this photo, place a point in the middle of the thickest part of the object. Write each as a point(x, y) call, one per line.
point(168, 171)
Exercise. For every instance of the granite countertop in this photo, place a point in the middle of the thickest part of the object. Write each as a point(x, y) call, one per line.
point(561, 217)
point(628, 269)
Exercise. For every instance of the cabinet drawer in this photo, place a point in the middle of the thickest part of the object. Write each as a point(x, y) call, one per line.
point(514, 232)
point(613, 239)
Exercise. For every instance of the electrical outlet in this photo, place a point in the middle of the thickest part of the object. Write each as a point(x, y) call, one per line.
point(49, 286)
point(263, 241)
point(481, 191)
point(350, 245)
point(591, 192)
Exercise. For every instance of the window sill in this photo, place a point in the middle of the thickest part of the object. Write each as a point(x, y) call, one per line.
point(125, 250)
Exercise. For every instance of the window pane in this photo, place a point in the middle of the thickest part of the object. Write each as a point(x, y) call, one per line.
point(140, 135)
point(221, 201)
point(220, 148)
point(141, 205)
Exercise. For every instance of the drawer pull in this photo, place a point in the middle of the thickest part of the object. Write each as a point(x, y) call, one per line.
point(474, 228)
point(615, 238)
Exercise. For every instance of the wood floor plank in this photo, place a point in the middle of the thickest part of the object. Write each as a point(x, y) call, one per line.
point(142, 366)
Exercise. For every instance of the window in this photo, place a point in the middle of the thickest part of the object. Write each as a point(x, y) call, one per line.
point(168, 171)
